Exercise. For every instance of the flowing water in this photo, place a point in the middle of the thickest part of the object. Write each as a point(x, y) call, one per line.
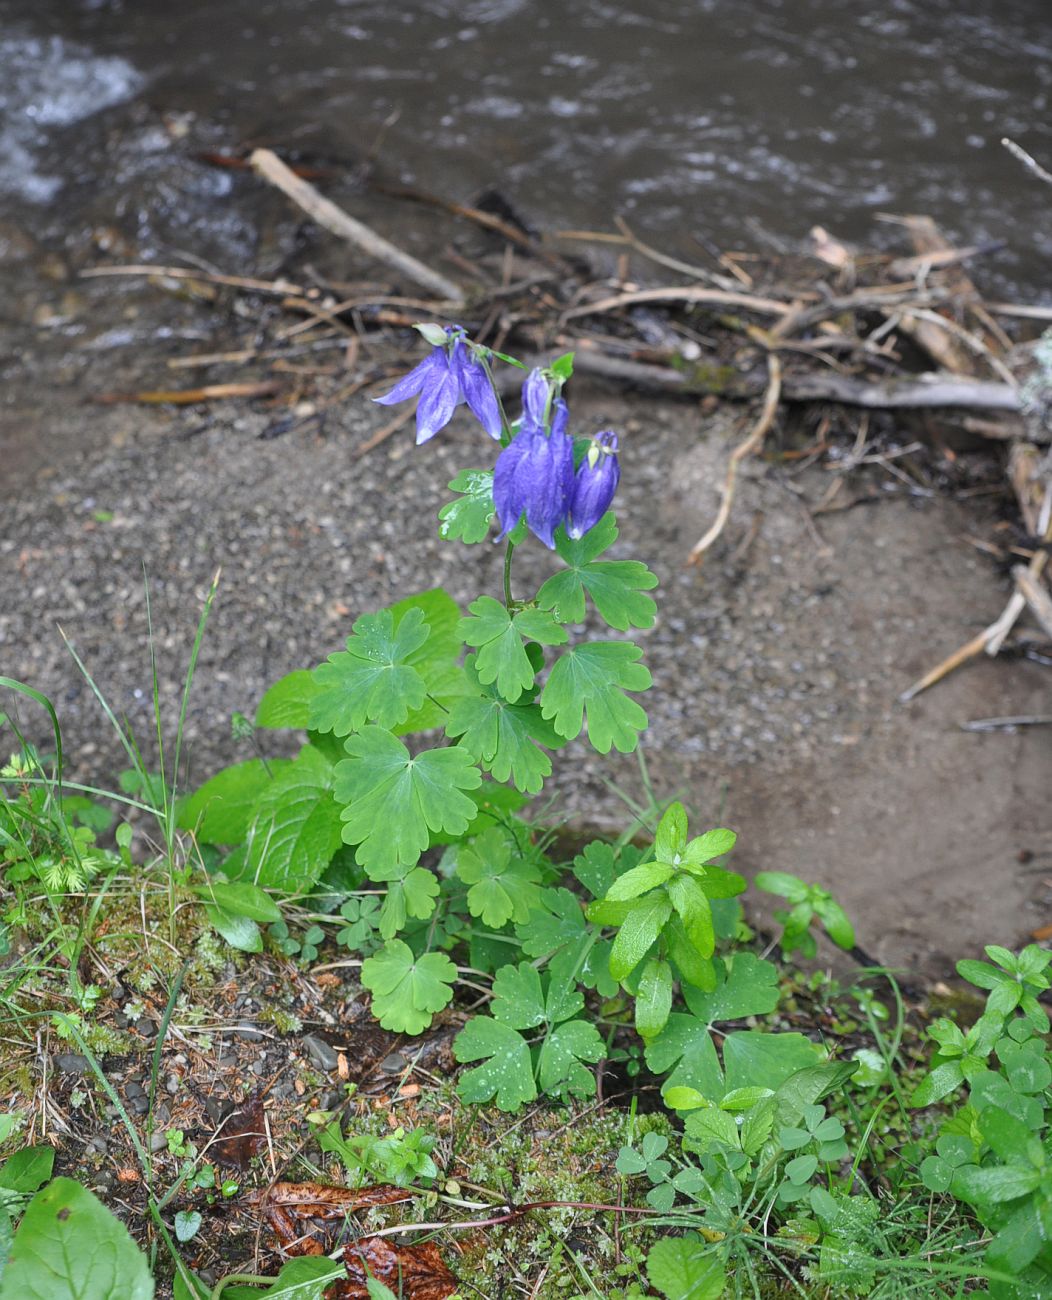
point(724, 123)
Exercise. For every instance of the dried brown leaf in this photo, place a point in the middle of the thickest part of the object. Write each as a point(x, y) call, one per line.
point(413, 1272)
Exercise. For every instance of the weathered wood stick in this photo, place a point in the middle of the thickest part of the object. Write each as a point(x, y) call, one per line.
point(269, 166)
point(1036, 596)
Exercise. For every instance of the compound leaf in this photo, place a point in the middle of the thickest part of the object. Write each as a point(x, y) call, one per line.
point(500, 637)
point(503, 885)
point(559, 1064)
point(407, 990)
point(507, 1075)
point(518, 999)
point(615, 586)
point(593, 678)
point(372, 680)
point(393, 800)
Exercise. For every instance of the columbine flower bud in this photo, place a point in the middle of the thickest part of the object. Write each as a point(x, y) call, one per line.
point(594, 484)
point(536, 392)
point(450, 375)
point(534, 476)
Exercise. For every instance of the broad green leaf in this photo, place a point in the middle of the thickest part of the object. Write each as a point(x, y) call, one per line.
point(686, 1268)
point(654, 998)
point(994, 1185)
point(686, 1048)
point(296, 826)
point(70, 1247)
point(709, 1125)
point(695, 911)
point(749, 988)
point(1019, 1242)
point(591, 680)
point(783, 884)
point(372, 680)
point(559, 1064)
point(28, 1169)
point(693, 968)
point(670, 839)
point(639, 880)
point(638, 931)
point(239, 931)
point(809, 1086)
point(713, 844)
point(469, 518)
point(240, 898)
point(507, 1075)
point(836, 921)
point(393, 800)
point(407, 990)
point(499, 639)
point(981, 974)
point(303, 1279)
point(752, 1058)
point(287, 703)
point(615, 586)
point(220, 811)
point(943, 1080)
point(503, 885)
point(1008, 1137)
point(504, 738)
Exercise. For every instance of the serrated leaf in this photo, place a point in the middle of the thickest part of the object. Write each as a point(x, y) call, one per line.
point(713, 844)
point(686, 1268)
point(221, 810)
point(597, 865)
point(638, 931)
point(287, 703)
point(407, 990)
point(556, 921)
point(393, 800)
point(615, 586)
point(560, 1062)
point(711, 1125)
point(503, 884)
point(670, 838)
point(499, 639)
point(591, 680)
point(372, 680)
point(469, 518)
point(504, 738)
point(507, 1075)
point(436, 660)
point(296, 826)
point(70, 1247)
point(749, 988)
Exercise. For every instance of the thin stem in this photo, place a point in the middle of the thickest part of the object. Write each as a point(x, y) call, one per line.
point(508, 553)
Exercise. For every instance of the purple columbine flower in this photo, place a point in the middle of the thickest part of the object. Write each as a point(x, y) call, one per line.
point(534, 476)
point(450, 375)
point(594, 484)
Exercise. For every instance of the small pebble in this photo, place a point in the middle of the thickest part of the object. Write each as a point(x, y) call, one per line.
point(249, 1032)
point(158, 1142)
point(72, 1063)
point(140, 1105)
point(321, 1054)
point(171, 1084)
point(99, 1145)
point(394, 1064)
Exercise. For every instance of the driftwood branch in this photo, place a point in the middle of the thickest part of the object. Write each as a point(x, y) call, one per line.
point(1030, 163)
point(270, 167)
point(752, 443)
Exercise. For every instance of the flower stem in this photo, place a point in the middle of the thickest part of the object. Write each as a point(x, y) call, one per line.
point(509, 552)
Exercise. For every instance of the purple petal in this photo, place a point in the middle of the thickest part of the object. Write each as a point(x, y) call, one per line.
point(561, 416)
point(478, 392)
point(535, 392)
point(594, 487)
point(411, 384)
point(534, 475)
point(438, 401)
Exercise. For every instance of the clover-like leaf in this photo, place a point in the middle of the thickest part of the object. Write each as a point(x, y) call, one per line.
point(411, 891)
point(371, 681)
point(615, 586)
point(592, 679)
point(503, 884)
point(393, 800)
point(507, 1075)
point(504, 738)
point(499, 638)
point(407, 990)
point(469, 518)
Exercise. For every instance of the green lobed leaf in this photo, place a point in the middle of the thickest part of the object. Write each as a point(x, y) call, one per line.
point(503, 884)
point(506, 1077)
point(499, 638)
point(372, 680)
point(560, 1065)
point(616, 587)
point(436, 660)
point(407, 990)
point(393, 800)
point(749, 987)
point(469, 518)
point(518, 999)
point(411, 891)
point(591, 680)
point(70, 1247)
point(685, 1048)
point(504, 738)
